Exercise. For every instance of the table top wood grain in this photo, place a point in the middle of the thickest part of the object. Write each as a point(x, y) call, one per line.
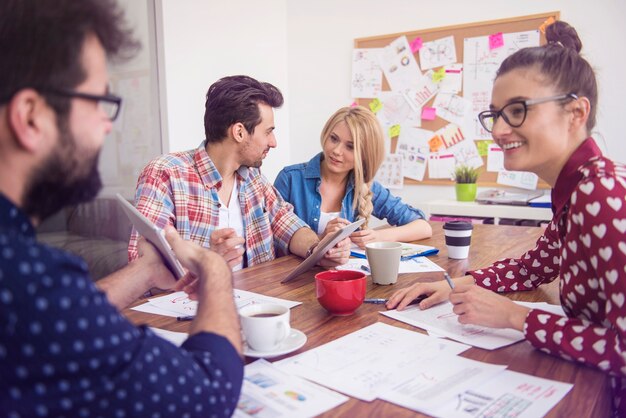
point(590, 396)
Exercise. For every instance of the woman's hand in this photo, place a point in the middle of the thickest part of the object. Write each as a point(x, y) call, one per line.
point(365, 236)
point(437, 292)
point(334, 225)
point(478, 306)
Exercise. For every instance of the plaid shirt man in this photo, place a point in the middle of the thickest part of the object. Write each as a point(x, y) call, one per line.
point(181, 188)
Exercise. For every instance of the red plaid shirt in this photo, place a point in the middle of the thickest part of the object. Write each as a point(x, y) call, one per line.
point(181, 188)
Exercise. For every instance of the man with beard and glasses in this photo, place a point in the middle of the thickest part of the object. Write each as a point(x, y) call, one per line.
point(215, 194)
point(65, 350)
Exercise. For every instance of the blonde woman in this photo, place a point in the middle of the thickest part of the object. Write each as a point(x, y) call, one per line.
point(337, 186)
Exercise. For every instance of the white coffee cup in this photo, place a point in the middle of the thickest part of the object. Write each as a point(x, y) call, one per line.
point(265, 325)
point(458, 237)
point(384, 261)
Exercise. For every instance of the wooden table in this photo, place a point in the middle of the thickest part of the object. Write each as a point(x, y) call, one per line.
point(590, 396)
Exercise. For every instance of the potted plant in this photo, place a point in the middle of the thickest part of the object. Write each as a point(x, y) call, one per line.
point(465, 177)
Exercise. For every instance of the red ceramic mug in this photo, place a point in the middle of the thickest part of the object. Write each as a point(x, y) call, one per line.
point(340, 292)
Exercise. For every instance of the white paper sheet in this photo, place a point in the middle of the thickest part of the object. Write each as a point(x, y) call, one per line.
point(366, 362)
point(367, 77)
point(179, 304)
point(390, 172)
point(454, 108)
point(268, 392)
point(507, 394)
point(422, 91)
point(438, 382)
point(413, 146)
point(495, 158)
point(443, 321)
point(437, 53)
point(399, 65)
point(521, 179)
point(453, 79)
point(414, 265)
point(441, 165)
point(466, 152)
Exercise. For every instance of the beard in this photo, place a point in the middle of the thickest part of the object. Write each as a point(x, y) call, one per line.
point(59, 181)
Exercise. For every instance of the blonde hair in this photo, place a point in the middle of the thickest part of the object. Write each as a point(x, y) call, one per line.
point(369, 152)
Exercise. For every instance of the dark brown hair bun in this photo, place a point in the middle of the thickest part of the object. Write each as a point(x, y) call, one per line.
point(562, 34)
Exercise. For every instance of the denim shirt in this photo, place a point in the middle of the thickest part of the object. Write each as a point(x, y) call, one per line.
point(299, 184)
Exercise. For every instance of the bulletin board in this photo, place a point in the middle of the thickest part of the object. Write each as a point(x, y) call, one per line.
point(459, 32)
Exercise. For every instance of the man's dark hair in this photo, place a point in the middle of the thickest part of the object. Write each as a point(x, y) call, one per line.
point(235, 99)
point(41, 43)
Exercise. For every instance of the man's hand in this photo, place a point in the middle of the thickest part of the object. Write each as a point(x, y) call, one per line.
point(229, 245)
point(338, 255)
point(162, 277)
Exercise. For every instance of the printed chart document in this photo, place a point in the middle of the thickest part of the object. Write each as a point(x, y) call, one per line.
point(179, 304)
point(508, 394)
point(270, 393)
point(442, 321)
point(365, 363)
point(414, 265)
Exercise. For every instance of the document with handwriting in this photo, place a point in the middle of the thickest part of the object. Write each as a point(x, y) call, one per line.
point(367, 362)
point(443, 322)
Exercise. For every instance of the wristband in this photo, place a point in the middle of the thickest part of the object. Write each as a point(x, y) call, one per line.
point(310, 250)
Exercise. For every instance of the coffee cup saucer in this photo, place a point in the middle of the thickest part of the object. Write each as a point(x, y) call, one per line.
point(294, 341)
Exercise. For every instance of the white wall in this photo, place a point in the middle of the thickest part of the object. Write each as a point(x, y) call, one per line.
point(206, 40)
point(305, 49)
point(321, 35)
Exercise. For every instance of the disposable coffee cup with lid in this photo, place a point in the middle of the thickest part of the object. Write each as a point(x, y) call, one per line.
point(458, 237)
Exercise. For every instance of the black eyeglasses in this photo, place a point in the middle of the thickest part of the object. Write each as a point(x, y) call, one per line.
point(109, 103)
point(514, 113)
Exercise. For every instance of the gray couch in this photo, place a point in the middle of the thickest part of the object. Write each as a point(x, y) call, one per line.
point(97, 231)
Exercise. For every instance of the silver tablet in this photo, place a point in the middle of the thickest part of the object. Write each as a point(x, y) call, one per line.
point(154, 235)
point(328, 242)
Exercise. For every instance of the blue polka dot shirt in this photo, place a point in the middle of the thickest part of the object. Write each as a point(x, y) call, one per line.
point(66, 352)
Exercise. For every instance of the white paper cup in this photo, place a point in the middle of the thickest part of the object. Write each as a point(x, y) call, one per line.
point(458, 237)
point(264, 325)
point(384, 261)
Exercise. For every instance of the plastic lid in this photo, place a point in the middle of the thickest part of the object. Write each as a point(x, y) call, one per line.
point(458, 226)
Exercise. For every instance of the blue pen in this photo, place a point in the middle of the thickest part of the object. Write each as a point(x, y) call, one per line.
point(449, 280)
point(185, 318)
point(365, 268)
point(378, 301)
point(420, 254)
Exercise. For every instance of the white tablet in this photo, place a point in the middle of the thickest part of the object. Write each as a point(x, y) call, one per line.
point(328, 242)
point(154, 235)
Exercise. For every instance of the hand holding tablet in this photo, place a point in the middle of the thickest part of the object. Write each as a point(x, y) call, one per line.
point(154, 235)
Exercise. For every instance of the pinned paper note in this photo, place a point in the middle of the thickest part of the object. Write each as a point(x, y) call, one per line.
point(390, 172)
point(496, 41)
point(416, 44)
point(399, 65)
point(450, 135)
point(423, 92)
point(453, 81)
point(435, 143)
point(429, 113)
point(375, 105)
point(466, 153)
point(454, 108)
point(441, 166)
point(437, 53)
point(521, 179)
point(367, 77)
point(394, 130)
point(547, 23)
point(495, 158)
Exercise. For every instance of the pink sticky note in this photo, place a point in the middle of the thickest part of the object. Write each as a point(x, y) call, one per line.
point(429, 113)
point(416, 44)
point(354, 104)
point(496, 40)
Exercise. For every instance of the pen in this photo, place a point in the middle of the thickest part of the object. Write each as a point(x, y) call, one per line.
point(185, 318)
point(449, 280)
point(365, 268)
point(379, 301)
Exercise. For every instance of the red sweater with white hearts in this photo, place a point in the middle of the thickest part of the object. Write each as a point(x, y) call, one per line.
point(585, 245)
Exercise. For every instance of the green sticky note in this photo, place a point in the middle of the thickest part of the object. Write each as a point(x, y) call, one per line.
point(375, 105)
point(394, 131)
point(439, 75)
point(483, 147)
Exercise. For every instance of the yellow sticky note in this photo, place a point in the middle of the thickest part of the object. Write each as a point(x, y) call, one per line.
point(483, 147)
point(547, 23)
point(375, 105)
point(439, 75)
point(394, 131)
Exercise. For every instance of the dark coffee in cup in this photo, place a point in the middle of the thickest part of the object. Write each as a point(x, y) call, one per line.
point(264, 315)
point(458, 237)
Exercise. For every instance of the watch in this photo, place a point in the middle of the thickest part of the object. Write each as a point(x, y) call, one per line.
point(310, 250)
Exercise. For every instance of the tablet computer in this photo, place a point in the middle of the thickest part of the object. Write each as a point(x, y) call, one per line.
point(328, 242)
point(154, 235)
